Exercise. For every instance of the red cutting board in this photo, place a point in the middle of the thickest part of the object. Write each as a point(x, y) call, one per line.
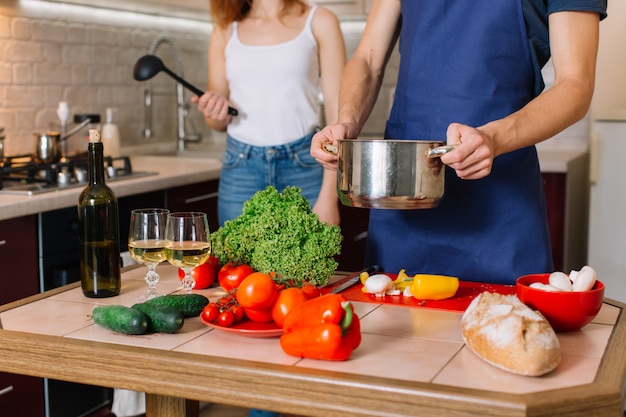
point(465, 294)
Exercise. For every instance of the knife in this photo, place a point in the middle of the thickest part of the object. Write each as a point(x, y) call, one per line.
point(354, 279)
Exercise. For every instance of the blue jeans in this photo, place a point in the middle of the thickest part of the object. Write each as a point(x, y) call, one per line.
point(262, 413)
point(247, 169)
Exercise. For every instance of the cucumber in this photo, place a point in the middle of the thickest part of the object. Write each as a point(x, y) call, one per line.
point(161, 318)
point(120, 319)
point(190, 305)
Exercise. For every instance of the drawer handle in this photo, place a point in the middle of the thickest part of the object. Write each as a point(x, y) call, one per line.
point(3, 242)
point(6, 390)
point(201, 197)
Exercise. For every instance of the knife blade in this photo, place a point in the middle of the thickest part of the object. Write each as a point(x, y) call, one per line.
point(355, 278)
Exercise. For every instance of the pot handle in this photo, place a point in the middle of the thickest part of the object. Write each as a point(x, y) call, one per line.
point(430, 153)
point(439, 151)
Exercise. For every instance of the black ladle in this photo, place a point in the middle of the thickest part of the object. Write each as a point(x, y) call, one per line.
point(149, 65)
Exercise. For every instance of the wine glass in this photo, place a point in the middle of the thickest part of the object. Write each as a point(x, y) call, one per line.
point(187, 243)
point(146, 243)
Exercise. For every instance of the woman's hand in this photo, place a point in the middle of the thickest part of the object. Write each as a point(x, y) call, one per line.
point(472, 158)
point(213, 106)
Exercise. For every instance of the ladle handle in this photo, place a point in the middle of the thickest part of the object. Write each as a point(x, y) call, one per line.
point(231, 110)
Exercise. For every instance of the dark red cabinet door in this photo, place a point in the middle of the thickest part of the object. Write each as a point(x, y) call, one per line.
point(22, 395)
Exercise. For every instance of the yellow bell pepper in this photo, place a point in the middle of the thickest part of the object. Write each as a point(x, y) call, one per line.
point(434, 287)
point(402, 281)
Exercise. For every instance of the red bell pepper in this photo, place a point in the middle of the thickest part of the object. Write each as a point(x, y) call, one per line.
point(324, 309)
point(322, 328)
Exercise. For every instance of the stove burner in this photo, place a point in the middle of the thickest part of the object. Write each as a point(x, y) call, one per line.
point(22, 174)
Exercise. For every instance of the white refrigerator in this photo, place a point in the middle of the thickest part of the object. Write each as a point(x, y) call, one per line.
point(607, 202)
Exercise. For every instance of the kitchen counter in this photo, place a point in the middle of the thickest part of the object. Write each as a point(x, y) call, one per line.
point(189, 168)
point(170, 171)
point(553, 159)
point(412, 362)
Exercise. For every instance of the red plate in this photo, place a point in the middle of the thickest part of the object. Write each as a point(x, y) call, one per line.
point(249, 328)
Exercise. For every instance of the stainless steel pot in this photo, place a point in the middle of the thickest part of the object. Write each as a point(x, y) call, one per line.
point(390, 174)
point(47, 148)
point(51, 145)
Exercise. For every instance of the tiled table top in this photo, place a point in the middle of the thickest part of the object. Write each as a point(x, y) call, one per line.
point(401, 343)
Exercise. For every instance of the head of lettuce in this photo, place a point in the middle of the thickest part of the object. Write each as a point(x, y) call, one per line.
point(278, 233)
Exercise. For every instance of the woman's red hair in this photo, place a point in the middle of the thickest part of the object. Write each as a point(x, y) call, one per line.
point(225, 12)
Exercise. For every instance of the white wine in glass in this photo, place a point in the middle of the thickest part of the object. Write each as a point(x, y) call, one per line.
point(146, 243)
point(188, 243)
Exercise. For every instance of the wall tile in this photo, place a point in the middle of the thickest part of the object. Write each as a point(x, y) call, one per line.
point(49, 31)
point(21, 29)
point(5, 27)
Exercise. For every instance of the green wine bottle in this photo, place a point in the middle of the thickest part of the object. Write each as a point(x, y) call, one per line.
point(98, 229)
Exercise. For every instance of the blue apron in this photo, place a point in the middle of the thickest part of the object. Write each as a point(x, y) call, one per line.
point(468, 62)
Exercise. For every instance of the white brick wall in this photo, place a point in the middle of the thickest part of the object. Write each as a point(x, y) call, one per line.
point(51, 52)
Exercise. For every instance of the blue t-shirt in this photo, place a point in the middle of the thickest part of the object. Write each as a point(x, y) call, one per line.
point(536, 17)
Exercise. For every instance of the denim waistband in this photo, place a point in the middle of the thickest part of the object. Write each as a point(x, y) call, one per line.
point(287, 150)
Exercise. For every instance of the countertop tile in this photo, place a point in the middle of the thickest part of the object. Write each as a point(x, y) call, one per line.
point(608, 315)
point(413, 322)
point(191, 329)
point(589, 342)
point(402, 354)
point(469, 371)
point(228, 345)
point(50, 317)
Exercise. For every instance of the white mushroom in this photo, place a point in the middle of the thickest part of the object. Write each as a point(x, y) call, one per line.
point(380, 285)
point(560, 281)
point(585, 279)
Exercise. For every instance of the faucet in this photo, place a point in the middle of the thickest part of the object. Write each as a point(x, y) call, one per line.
point(181, 106)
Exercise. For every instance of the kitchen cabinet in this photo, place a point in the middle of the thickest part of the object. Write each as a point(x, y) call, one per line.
point(567, 207)
point(354, 225)
point(201, 196)
point(19, 395)
point(554, 190)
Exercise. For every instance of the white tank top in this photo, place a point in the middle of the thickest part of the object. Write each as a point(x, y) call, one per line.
point(274, 87)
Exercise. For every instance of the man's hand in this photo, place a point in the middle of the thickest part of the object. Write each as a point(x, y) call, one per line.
point(472, 158)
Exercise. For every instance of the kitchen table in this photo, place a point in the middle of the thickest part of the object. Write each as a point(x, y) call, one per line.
point(412, 362)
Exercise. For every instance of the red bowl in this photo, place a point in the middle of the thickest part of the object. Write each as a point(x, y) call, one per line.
point(565, 311)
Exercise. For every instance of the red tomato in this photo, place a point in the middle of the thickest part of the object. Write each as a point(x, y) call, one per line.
point(257, 291)
point(238, 311)
point(204, 274)
point(211, 312)
point(310, 290)
point(287, 299)
point(259, 315)
point(230, 275)
point(226, 318)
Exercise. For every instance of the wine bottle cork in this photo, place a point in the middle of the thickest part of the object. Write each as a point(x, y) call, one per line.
point(94, 135)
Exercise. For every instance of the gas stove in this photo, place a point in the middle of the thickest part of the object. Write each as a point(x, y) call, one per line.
point(22, 174)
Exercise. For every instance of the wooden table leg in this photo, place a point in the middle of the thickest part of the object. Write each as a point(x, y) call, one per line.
point(165, 406)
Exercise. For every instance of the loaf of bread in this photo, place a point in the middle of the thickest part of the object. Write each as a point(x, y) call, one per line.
point(509, 335)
